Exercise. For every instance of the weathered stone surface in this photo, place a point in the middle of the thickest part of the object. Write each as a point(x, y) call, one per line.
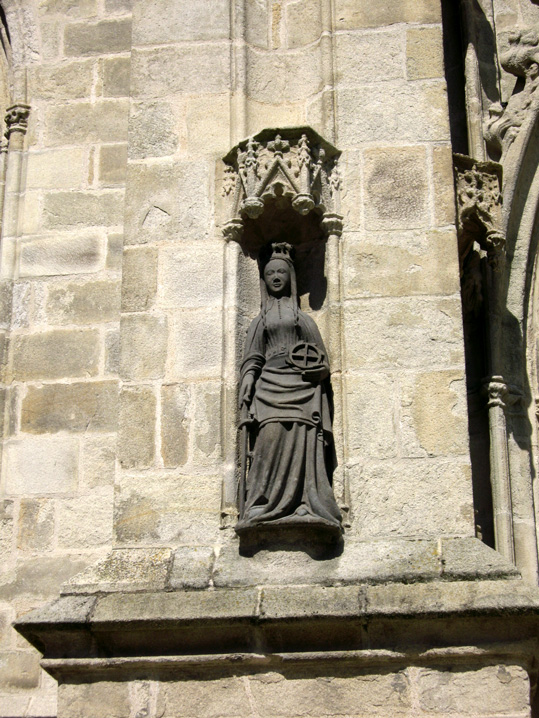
point(180, 605)
point(36, 525)
point(492, 690)
point(408, 332)
point(396, 189)
point(470, 559)
point(21, 305)
point(6, 618)
point(112, 352)
point(435, 403)
point(31, 219)
point(400, 263)
point(167, 201)
point(191, 275)
point(41, 465)
point(371, 57)
point(139, 278)
point(57, 169)
point(88, 303)
point(18, 702)
point(6, 528)
point(264, 114)
point(207, 118)
point(52, 31)
point(49, 256)
point(6, 290)
point(132, 569)
point(40, 577)
point(86, 521)
point(191, 567)
point(370, 694)
point(422, 114)
point(166, 21)
point(206, 429)
point(152, 129)
point(181, 509)
point(98, 461)
point(116, 76)
point(119, 6)
point(372, 412)
point(104, 121)
point(444, 192)
point(69, 8)
point(45, 703)
point(143, 346)
point(70, 81)
point(19, 670)
point(115, 244)
point(376, 561)
point(62, 210)
point(112, 164)
point(56, 354)
point(195, 345)
point(174, 424)
point(303, 23)
point(189, 69)
point(107, 699)
point(212, 698)
point(351, 14)
point(283, 77)
point(102, 38)
point(424, 53)
point(84, 406)
point(137, 427)
point(440, 504)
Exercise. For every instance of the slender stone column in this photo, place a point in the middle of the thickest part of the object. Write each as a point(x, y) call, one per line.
point(16, 125)
point(498, 396)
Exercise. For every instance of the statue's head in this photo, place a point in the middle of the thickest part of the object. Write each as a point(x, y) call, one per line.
point(277, 274)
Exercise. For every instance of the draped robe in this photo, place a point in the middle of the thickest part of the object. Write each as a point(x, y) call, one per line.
point(289, 480)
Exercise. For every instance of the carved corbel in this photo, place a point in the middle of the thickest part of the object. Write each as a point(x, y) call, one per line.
point(16, 119)
point(522, 60)
point(479, 201)
point(282, 168)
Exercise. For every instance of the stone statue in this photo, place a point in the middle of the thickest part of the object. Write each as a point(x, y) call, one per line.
point(286, 414)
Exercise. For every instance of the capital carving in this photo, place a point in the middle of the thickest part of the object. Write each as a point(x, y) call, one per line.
point(16, 119)
point(498, 393)
point(479, 201)
point(521, 58)
point(290, 167)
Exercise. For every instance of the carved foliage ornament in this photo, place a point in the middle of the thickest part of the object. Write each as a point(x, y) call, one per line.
point(289, 166)
point(521, 58)
point(16, 119)
point(479, 200)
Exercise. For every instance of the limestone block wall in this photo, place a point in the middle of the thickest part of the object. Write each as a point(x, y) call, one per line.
point(496, 690)
point(129, 310)
point(61, 263)
point(371, 81)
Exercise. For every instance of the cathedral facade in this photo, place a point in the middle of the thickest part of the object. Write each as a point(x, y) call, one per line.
point(269, 358)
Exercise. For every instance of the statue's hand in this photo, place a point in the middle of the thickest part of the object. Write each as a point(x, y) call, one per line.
point(246, 390)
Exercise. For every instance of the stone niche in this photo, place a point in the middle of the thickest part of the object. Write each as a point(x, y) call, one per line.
point(282, 186)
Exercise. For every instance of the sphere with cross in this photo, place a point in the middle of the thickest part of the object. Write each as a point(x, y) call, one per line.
point(307, 357)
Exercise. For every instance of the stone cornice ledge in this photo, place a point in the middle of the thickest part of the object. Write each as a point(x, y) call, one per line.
point(281, 619)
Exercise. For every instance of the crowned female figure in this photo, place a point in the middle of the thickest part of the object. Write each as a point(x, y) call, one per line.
point(285, 398)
